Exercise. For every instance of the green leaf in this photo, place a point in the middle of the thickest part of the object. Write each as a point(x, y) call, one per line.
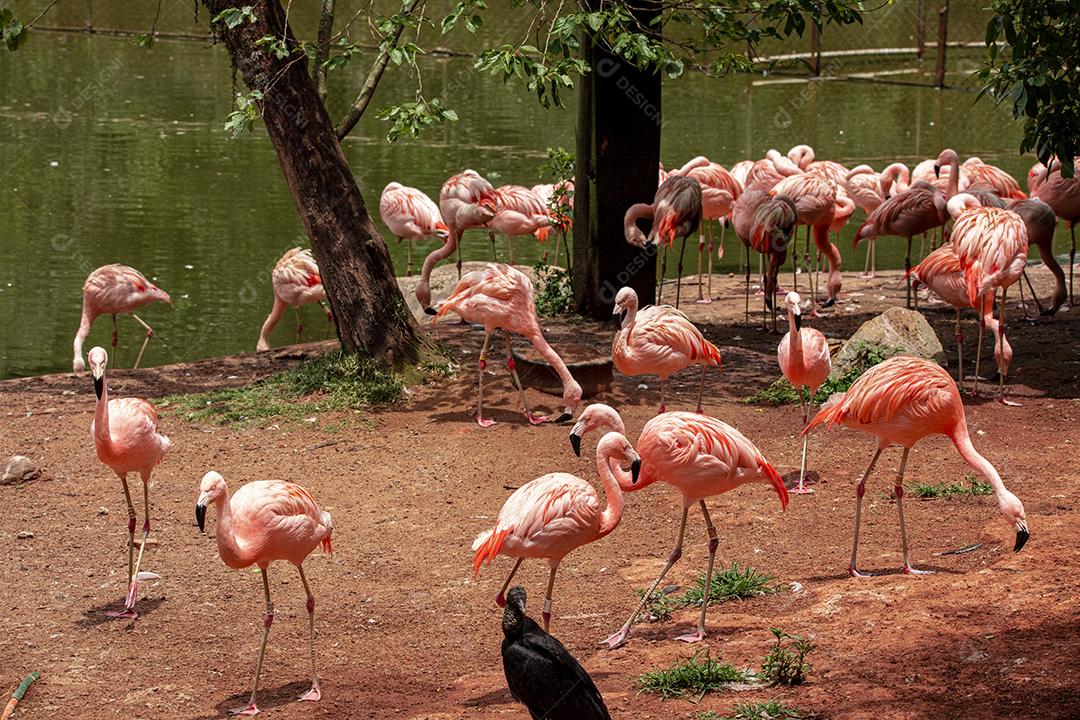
point(235, 16)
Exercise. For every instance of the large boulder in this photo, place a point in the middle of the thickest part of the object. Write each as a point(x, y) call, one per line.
point(19, 469)
point(898, 330)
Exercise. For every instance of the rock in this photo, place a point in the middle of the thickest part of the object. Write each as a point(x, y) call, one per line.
point(25, 535)
point(902, 331)
point(19, 469)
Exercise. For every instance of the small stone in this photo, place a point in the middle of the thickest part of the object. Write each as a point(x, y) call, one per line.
point(19, 469)
point(103, 511)
point(24, 535)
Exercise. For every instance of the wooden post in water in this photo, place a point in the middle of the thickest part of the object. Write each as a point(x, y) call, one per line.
point(815, 51)
point(942, 36)
point(920, 30)
point(89, 16)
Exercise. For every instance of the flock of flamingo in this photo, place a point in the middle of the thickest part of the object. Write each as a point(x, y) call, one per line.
point(900, 401)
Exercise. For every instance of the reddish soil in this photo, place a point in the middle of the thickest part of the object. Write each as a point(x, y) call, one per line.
point(404, 631)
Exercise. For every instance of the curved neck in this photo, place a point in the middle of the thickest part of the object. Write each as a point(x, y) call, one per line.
point(971, 456)
point(80, 337)
point(612, 514)
point(271, 320)
point(795, 333)
point(630, 227)
point(548, 353)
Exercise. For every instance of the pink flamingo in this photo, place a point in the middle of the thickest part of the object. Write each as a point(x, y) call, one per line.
point(264, 521)
point(126, 438)
point(772, 231)
point(991, 245)
point(804, 156)
point(518, 211)
point(411, 215)
point(740, 171)
point(719, 190)
point(296, 281)
point(975, 173)
point(501, 297)
point(1041, 222)
point(743, 211)
point(557, 513)
point(895, 178)
point(770, 170)
point(1063, 195)
point(901, 401)
point(700, 456)
point(865, 187)
point(675, 212)
point(803, 355)
point(658, 340)
point(558, 198)
point(815, 198)
point(115, 290)
point(466, 201)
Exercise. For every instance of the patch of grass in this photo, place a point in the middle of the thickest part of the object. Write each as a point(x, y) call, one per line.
point(731, 583)
point(334, 381)
point(971, 486)
point(785, 663)
point(660, 605)
point(554, 294)
point(768, 710)
point(781, 392)
point(694, 676)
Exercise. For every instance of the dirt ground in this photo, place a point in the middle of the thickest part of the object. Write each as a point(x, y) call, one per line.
point(405, 631)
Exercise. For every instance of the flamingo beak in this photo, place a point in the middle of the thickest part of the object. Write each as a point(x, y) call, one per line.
point(937, 171)
point(567, 415)
point(635, 470)
point(200, 515)
point(1022, 536)
point(99, 379)
point(798, 322)
point(575, 442)
point(618, 316)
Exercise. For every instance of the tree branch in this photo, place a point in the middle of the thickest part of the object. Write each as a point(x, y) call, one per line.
point(322, 52)
point(377, 69)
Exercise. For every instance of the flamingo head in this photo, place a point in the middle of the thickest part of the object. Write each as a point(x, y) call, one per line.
point(157, 294)
point(98, 360)
point(801, 155)
point(626, 304)
point(947, 157)
point(442, 231)
point(1013, 511)
point(211, 488)
point(795, 309)
point(615, 447)
point(572, 398)
point(596, 416)
point(959, 204)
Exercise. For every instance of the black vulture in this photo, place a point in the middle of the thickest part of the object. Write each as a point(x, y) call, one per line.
point(541, 673)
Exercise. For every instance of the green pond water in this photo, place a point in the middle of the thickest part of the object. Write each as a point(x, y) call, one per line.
point(114, 153)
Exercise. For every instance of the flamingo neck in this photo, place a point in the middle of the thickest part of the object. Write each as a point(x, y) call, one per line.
point(548, 353)
point(228, 546)
point(612, 514)
point(795, 333)
point(977, 462)
point(80, 336)
point(101, 416)
point(954, 178)
point(631, 230)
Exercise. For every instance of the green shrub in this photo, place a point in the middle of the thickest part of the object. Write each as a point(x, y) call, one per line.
point(781, 392)
point(785, 663)
point(554, 293)
point(694, 676)
point(768, 710)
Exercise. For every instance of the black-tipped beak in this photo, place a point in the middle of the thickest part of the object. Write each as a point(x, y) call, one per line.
point(430, 310)
point(564, 417)
point(937, 171)
point(1021, 538)
point(617, 318)
point(798, 322)
point(575, 442)
point(200, 517)
point(99, 386)
point(635, 470)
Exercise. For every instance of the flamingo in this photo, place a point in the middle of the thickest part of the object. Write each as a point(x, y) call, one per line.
point(558, 198)
point(557, 513)
point(865, 187)
point(501, 297)
point(741, 170)
point(1063, 195)
point(699, 455)
point(975, 173)
point(411, 215)
point(466, 201)
point(895, 178)
point(816, 200)
point(991, 244)
point(115, 290)
point(296, 281)
point(126, 438)
point(803, 355)
point(743, 213)
point(770, 170)
point(659, 340)
point(264, 521)
point(773, 229)
point(719, 190)
point(804, 156)
point(901, 401)
point(675, 212)
point(518, 211)
point(1041, 223)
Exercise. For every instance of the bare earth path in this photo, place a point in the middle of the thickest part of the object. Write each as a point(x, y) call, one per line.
point(406, 632)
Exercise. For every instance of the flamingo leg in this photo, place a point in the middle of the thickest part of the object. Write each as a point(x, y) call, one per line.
point(491, 239)
point(619, 637)
point(500, 599)
point(268, 619)
point(907, 271)
point(860, 490)
point(133, 588)
point(800, 489)
point(480, 419)
point(699, 634)
point(701, 388)
point(329, 317)
point(663, 275)
point(746, 268)
point(873, 256)
point(314, 694)
point(510, 244)
point(898, 491)
point(678, 275)
point(149, 334)
point(459, 262)
point(700, 250)
point(116, 335)
point(1034, 296)
point(546, 614)
point(408, 264)
point(512, 366)
point(663, 406)
point(978, 357)
point(299, 326)
point(959, 351)
point(723, 231)
point(131, 545)
point(1003, 370)
point(866, 263)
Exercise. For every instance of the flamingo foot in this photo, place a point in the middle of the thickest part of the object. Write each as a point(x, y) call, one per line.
point(694, 637)
point(616, 640)
point(536, 419)
point(801, 489)
point(856, 572)
point(312, 695)
point(483, 421)
point(703, 301)
point(912, 571)
point(868, 276)
point(125, 614)
point(251, 709)
point(1008, 403)
point(829, 303)
point(133, 592)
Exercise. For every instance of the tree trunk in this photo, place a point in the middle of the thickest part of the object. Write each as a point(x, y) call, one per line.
point(356, 269)
point(618, 149)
